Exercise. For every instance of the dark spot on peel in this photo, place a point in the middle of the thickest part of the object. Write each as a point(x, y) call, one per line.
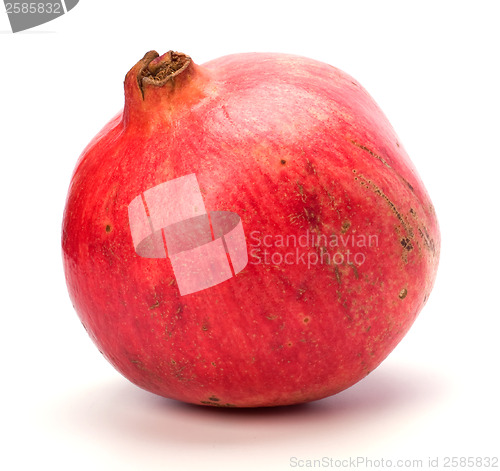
point(406, 226)
point(345, 226)
point(355, 270)
point(108, 228)
point(311, 169)
point(300, 293)
point(403, 293)
point(373, 154)
point(406, 243)
point(155, 305)
point(337, 274)
point(306, 210)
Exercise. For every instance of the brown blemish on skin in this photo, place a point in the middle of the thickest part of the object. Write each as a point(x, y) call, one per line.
point(310, 168)
point(283, 162)
point(179, 375)
point(155, 305)
point(404, 256)
point(331, 199)
point(214, 398)
point(345, 226)
point(108, 228)
point(113, 255)
point(355, 269)
point(407, 183)
point(307, 208)
point(373, 154)
point(379, 192)
point(337, 274)
point(403, 293)
point(381, 159)
point(321, 251)
point(138, 364)
point(392, 206)
point(301, 192)
point(300, 293)
point(307, 213)
point(428, 242)
point(306, 320)
point(311, 216)
point(293, 218)
point(405, 242)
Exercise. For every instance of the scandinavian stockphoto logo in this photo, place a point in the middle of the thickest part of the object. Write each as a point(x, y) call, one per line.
point(311, 248)
point(26, 15)
point(204, 247)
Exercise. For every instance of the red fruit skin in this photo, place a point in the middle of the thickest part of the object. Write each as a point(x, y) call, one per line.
point(294, 147)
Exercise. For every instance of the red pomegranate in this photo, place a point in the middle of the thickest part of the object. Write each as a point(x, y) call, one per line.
point(247, 233)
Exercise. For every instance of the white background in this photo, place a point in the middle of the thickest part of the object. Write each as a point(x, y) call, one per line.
point(431, 66)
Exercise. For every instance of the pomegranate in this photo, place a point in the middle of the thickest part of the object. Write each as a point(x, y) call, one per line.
point(247, 233)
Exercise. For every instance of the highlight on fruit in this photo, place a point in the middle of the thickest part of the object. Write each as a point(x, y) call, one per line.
point(249, 232)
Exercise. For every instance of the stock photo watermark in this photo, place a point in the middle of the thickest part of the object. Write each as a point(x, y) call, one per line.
point(310, 249)
point(364, 462)
point(26, 15)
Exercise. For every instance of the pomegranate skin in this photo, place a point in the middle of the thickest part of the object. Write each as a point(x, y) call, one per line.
point(294, 147)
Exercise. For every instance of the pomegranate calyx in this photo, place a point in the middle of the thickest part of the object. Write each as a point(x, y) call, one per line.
point(154, 80)
point(157, 70)
point(161, 69)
